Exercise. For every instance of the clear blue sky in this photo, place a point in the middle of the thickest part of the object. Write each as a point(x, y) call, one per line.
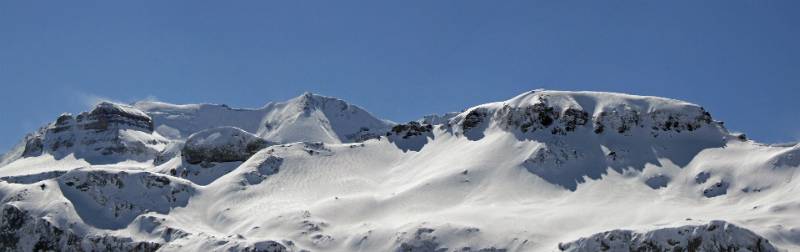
point(401, 59)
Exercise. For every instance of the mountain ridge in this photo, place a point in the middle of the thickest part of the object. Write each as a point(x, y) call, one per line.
point(533, 173)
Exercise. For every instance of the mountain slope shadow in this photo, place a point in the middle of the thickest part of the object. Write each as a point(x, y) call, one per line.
point(583, 135)
point(568, 161)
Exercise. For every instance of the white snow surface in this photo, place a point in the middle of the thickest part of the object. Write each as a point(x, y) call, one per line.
point(509, 175)
point(308, 117)
point(222, 137)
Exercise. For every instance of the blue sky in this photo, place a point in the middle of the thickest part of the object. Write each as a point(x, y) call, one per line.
point(402, 59)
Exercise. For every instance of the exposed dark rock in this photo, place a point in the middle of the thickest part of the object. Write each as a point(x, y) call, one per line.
point(364, 134)
point(224, 144)
point(620, 120)
point(410, 129)
point(714, 236)
point(410, 136)
point(106, 114)
point(93, 135)
point(19, 231)
point(473, 119)
point(754, 189)
point(105, 199)
point(63, 123)
point(717, 189)
point(265, 246)
point(536, 116)
point(670, 121)
point(573, 118)
point(271, 165)
point(423, 240)
point(33, 145)
point(33, 178)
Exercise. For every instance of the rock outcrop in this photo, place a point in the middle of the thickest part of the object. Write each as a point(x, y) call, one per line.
point(410, 129)
point(21, 231)
point(410, 136)
point(604, 113)
point(223, 144)
point(112, 199)
point(714, 236)
point(583, 134)
point(109, 131)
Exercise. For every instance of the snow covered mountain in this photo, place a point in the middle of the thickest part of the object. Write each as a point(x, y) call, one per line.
point(543, 171)
point(308, 117)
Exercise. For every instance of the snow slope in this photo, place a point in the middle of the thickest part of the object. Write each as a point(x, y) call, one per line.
point(543, 171)
point(308, 117)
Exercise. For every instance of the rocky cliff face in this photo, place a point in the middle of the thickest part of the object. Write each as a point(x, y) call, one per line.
point(410, 136)
point(223, 144)
point(109, 115)
point(714, 236)
point(109, 130)
point(21, 231)
point(558, 114)
point(112, 199)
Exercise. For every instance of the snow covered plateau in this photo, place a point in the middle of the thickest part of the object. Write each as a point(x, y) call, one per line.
point(542, 171)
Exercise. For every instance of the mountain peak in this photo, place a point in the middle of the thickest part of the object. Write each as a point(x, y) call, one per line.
point(565, 111)
point(314, 117)
point(111, 108)
point(307, 117)
point(309, 100)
